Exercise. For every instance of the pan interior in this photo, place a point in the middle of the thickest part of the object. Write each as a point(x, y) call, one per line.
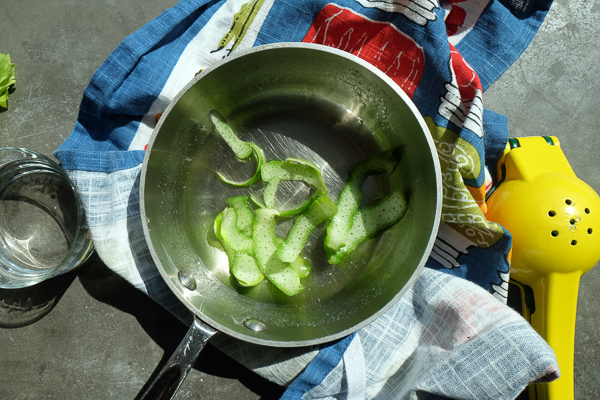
point(302, 102)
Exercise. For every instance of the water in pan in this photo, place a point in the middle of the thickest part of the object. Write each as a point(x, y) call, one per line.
point(307, 127)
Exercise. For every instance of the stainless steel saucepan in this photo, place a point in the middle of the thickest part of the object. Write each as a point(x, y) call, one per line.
point(292, 100)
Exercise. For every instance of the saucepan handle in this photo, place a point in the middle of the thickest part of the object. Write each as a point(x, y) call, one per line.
point(172, 375)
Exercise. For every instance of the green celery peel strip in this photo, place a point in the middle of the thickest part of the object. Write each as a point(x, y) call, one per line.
point(368, 221)
point(294, 169)
point(279, 273)
point(257, 152)
point(351, 226)
point(321, 210)
point(242, 150)
point(231, 228)
point(301, 266)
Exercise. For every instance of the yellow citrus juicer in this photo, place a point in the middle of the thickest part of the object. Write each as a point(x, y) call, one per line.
point(554, 220)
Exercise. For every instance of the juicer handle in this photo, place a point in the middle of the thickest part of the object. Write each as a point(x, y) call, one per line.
point(554, 318)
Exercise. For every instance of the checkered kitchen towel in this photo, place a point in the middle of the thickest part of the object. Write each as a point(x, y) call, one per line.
point(451, 335)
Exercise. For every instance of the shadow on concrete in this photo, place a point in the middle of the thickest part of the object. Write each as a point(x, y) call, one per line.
point(25, 306)
point(107, 287)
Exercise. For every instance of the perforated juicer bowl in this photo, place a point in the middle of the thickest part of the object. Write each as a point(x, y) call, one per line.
point(554, 221)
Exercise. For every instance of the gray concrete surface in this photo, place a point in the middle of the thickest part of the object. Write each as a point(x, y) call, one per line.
point(92, 336)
